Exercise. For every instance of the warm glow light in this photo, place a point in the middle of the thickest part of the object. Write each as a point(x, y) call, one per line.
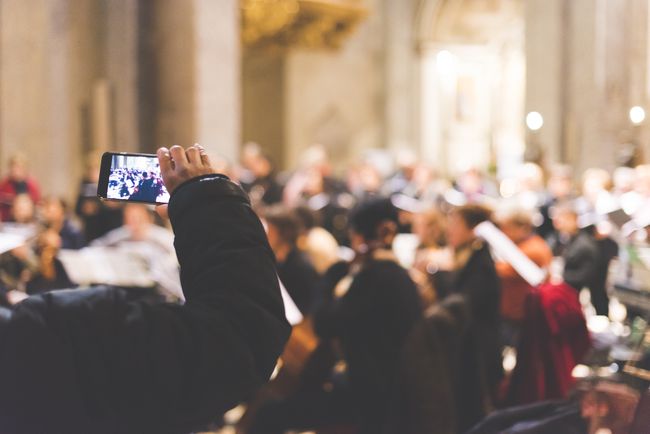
point(445, 62)
point(534, 121)
point(637, 115)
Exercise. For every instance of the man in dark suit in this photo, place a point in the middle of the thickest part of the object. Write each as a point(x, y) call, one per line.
point(578, 249)
point(76, 362)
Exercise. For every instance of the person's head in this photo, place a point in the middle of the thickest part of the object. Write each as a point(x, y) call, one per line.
point(373, 223)
point(430, 227)
point(314, 182)
point(18, 167)
point(138, 219)
point(282, 228)
point(309, 219)
point(642, 182)
point(22, 209)
point(623, 179)
point(517, 224)
point(365, 178)
point(463, 220)
point(470, 182)
point(565, 218)
point(254, 159)
point(560, 181)
point(407, 162)
point(595, 181)
point(315, 157)
point(530, 177)
point(54, 210)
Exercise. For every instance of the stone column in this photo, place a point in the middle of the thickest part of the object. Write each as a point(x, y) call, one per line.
point(196, 68)
point(121, 72)
point(544, 32)
point(401, 74)
point(39, 109)
point(217, 102)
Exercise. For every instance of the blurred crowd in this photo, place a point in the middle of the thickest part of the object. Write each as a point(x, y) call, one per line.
point(383, 262)
point(135, 184)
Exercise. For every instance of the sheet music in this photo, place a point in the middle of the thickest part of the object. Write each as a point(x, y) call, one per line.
point(509, 252)
point(105, 265)
point(10, 241)
point(291, 311)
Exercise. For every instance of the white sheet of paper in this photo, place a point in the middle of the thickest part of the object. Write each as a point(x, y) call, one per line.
point(509, 252)
point(106, 265)
point(10, 241)
point(291, 311)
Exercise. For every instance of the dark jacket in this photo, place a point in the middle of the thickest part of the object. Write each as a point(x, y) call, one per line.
point(548, 417)
point(94, 361)
point(299, 278)
point(372, 321)
point(479, 283)
point(440, 385)
point(580, 261)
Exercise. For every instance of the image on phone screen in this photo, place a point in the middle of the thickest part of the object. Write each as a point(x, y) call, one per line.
point(136, 178)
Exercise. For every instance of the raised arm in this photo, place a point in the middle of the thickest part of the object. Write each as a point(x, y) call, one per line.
point(96, 361)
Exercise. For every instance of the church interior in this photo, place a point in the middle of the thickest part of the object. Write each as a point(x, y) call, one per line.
point(499, 150)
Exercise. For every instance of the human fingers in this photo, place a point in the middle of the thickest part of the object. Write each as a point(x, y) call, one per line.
point(165, 161)
point(205, 159)
point(194, 156)
point(179, 156)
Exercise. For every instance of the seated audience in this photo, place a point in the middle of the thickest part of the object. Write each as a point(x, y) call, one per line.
point(17, 182)
point(55, 219)
point(98, 217)
point(155, 244)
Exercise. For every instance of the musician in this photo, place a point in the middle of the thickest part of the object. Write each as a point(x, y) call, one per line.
point(93, 361)
point(578, 248)
point(474, 276)
point(259, 178)
point(517, 224)
point(370, 306)
point(295, 270)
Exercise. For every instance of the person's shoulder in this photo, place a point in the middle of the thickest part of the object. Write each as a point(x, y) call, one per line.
point(385, 270)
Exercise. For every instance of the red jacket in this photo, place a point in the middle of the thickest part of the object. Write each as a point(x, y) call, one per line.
point(8, 193)
point(554, 339)
point(513, 287)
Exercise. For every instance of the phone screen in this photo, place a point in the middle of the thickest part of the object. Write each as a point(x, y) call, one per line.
point(135, 178)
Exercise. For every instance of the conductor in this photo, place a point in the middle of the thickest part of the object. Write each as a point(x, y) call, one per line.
point(96, 361)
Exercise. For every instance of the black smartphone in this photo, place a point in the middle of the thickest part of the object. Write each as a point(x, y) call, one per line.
point(131, 177)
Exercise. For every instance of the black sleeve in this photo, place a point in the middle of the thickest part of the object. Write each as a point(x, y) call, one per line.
point(482, 287)
point(93, 361)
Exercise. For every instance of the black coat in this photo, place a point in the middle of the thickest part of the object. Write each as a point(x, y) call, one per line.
point(372, 321)
point(479, 283)
point(440, 384)
point(300, 278)
point(581, 261)
point(96, 362)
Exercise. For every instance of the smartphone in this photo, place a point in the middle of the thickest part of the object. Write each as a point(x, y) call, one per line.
point(131, 177)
